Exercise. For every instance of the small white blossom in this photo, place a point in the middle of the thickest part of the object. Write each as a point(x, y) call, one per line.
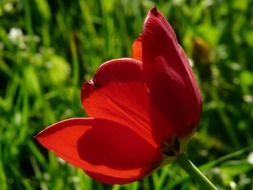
point(250, 158)
point(15, 35)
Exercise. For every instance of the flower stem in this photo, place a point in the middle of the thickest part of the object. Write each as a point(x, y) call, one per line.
point(194, 172)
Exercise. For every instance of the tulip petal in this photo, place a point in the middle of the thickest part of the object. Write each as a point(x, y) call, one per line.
point(168, 75)
point(108, 151)
point(137, 49)
point(117, 92)
point(111, 180)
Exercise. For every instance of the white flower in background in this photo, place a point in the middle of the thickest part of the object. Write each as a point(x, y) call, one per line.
point(191, 63)
point(248, 98)
point(250, 158)
point(15, 35)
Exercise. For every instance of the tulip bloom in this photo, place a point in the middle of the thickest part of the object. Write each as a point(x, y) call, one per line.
point(140, 110)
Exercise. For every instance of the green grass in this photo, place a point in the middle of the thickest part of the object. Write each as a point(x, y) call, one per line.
point(62, 45)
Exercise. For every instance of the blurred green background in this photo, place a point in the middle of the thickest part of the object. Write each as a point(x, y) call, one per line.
point(49, 47)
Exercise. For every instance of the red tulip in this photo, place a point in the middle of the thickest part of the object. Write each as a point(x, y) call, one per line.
point(140, 110)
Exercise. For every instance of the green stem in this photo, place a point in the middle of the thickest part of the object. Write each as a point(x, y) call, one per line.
point(195, 173)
